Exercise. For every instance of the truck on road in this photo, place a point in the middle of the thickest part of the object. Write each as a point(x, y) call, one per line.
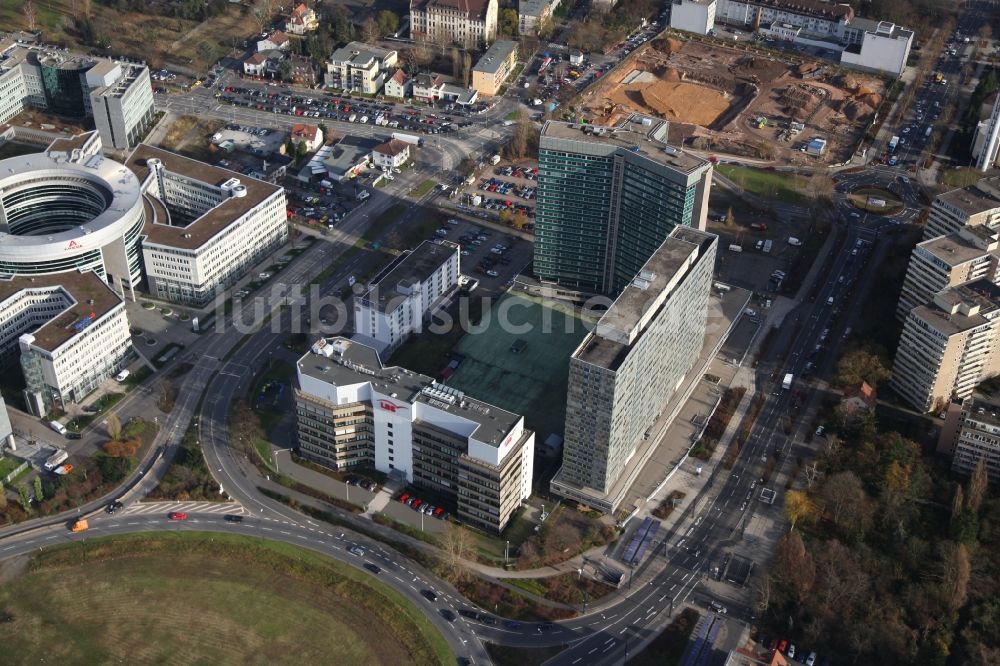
point(79, 525)
point(56, 459)
point(408, 138)
point(930, 130)
point(786, 383)
point(893, 143)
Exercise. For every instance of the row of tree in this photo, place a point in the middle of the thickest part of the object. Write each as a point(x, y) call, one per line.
point(889, 558)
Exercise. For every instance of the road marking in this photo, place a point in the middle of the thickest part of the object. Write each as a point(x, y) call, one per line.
point(610, 640)
point(267, 528)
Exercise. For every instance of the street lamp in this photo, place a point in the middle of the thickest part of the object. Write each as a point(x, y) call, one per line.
point(506, 553)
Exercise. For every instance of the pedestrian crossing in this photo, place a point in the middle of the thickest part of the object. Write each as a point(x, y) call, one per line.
point(219, 508)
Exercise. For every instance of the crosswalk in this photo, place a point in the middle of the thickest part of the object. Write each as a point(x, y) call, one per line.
point(146, 508)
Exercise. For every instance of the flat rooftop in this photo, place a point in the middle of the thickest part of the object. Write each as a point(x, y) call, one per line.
point(978, 198)
point(358, 363)
point(410, 269)
point(958, 248)
point(358, 53)
point(90, 293)
point(648, 141)
point(495, 56)
point(945, 312)
point(984, 410)
point(214, 221)
point(348, 153)
point(624, 321)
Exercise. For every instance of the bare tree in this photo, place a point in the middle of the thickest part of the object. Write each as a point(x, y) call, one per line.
point(466, 69)
point(114, 426)
point(456, 543)
point(30, 16)
point(957, 504)
point(370, 31)
point(955, 576)
point(978, 484)
point(262, 12)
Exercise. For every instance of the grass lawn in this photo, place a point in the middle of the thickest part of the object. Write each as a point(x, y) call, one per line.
point(960, 177)
point(769, 184)
point(866, 198)
point(188, 597)
point(380, 224)
point(503, 655)
point(422, 189)
point(8, 465)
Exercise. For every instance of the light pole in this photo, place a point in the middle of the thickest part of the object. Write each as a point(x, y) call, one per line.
point(506, 553)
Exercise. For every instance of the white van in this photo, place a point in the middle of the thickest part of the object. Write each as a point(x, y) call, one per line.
point(58, 427)
point(122, 376)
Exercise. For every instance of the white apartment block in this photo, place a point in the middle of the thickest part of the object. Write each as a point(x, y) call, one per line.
point(353, 412)
point(697, 16)
point(205, 226)
point(469, 23)
point(977, 204)
point(885, 47)
point(406, 291)
point(947, 261)
point(116, 94)
point(971, 432)
point(533, 14)
point(949, 346)
point(624, 372)
point(71, 332)
point(359, 68)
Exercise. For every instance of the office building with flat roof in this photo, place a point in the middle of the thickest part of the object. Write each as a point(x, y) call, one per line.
point(353, 412)
point(118, 95)
point(404, 293)
point(607, 199)
point(977, 204)
point(626, 370)
point(205, 226)
point(971, 432)
point(71, 332)
point(947, 261)
point(948, 346)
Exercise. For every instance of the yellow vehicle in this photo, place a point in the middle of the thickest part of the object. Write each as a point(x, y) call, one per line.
point(79, 525)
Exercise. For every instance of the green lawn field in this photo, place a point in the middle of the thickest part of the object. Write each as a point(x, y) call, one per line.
point(196, 598)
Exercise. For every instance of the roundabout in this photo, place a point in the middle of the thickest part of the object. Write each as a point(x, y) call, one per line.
point(877, 200)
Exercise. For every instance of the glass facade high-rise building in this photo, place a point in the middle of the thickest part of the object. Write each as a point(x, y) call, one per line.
point(607, 198)
point(64, 85)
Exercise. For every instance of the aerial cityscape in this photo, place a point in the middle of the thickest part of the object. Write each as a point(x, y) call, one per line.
point(520, 332)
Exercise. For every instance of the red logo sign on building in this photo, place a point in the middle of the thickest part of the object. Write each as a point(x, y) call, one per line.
point(390, 406)
point(73, 245)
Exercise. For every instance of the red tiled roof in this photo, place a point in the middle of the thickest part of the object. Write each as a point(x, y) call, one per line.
point(392, 147)
point(305, 132)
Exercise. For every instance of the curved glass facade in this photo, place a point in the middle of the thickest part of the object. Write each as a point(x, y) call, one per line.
point(53, 206)
point(64, 90)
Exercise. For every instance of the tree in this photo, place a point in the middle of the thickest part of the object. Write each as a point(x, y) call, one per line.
point(793, 566)
point(22, 493)
point(456, 63)
point(842, 495)
point(505, 216)
point(799, 507)
point(466, 69)
point(3, 496)
point(861, 365)
point(456, 544)
point(370, 31)
point(114, 426)
point(388, 22)
point(957, 504)
point(301, 151)
point(978, 484)
point(30, 13)
point(262, 13)
point(507, 23)
point(956, 571)
point(730, 218)
point(39, 496)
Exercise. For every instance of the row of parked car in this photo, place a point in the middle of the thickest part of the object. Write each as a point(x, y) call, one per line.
point(788, 649)
point(421, 506)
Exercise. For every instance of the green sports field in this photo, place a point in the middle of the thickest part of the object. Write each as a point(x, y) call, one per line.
point(531, 382)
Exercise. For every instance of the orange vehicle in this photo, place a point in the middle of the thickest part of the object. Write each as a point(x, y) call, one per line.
point(79, 525)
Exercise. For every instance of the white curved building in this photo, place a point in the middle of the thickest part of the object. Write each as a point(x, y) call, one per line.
point(69, 209)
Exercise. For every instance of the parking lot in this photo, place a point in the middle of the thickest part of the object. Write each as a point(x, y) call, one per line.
point(491, 257)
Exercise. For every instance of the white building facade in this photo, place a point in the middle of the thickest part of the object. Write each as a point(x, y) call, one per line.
point(697, 16)
point(408, 290)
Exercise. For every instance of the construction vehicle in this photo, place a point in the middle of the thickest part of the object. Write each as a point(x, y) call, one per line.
point(79, 525)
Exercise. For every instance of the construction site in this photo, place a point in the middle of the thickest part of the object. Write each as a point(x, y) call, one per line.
point(740, 101)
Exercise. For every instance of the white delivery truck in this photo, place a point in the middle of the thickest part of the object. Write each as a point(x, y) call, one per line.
point(56, 459)
point(787, 381)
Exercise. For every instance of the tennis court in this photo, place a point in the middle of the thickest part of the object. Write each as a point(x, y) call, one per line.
point(519, 359)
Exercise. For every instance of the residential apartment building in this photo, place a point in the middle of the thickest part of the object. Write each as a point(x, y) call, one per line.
point(884, 47)
point(301, 20)
point(205, 225)
point(947, 261)
point(391, 154)
point(948, 346)
point(818, 18)
point(359, 68)
point(971, 432)
point(399, 85)
point(626, 370)
point(469, 23)
point(71, 332)
point(607, 199)
point(493, 68)
point(697, 16)
point(977, 204)
point(354, 412)
point(405, 292)
point(533, 15)
point(118, 95)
